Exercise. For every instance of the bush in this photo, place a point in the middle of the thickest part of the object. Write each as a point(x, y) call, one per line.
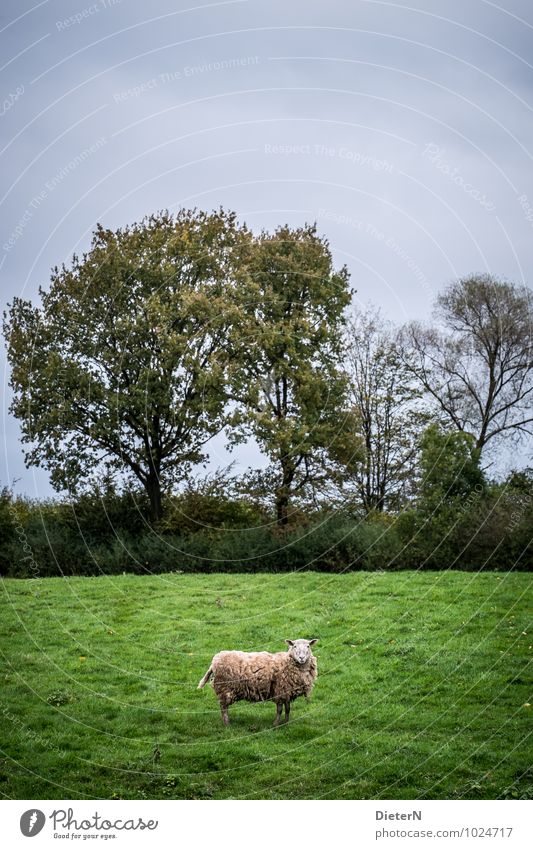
point(489, 529)
point(194, 512)
point(7, 527)
point(97, 517)
point(332, 544)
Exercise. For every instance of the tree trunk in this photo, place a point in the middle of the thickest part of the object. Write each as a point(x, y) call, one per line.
point(282, 506)
point(283, 493)
point(153, 488)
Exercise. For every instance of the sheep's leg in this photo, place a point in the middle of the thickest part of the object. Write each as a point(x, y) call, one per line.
point(287, 709)
point(224, 712)
point(279, 708)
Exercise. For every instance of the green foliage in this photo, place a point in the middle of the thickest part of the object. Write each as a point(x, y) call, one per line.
point(441, 530)
point(7, 527)
point(122, 367)
point(208, 528)
point(330, 544)
point(449, 467)
point(211, 502)
point(99, 693)
point(506, 521)
point(60, 537)
point(287, 376)
point(488, 528)
point(96, 516)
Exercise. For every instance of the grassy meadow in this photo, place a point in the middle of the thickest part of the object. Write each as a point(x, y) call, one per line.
point(423, 690)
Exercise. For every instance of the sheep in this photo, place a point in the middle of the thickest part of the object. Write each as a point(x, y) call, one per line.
point(258, 676)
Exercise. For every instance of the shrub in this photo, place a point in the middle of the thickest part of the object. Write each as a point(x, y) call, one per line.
point(107, 534)
point(7, 527)
point(194, 511)
point(97, 517)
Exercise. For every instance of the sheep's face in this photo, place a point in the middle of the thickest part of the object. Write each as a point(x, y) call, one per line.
point(300, 650)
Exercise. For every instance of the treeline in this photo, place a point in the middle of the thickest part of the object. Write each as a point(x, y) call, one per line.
point(169, 332)
point(211, 528)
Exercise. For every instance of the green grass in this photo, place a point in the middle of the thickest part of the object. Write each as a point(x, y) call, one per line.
point(422, 690)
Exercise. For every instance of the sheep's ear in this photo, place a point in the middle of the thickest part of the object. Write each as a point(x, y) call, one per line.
point(290, 642)
point(312, 642)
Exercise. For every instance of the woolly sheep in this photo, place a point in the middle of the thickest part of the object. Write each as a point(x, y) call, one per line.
point(258, 676)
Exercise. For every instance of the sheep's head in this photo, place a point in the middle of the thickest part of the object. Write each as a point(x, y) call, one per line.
point(300, 650)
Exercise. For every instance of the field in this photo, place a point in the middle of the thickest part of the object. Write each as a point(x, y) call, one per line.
point(423, 687)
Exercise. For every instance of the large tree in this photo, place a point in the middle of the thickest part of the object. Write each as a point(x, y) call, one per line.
point(287, 378)
point(477, 363)
point(122, 368)
point(386, 404)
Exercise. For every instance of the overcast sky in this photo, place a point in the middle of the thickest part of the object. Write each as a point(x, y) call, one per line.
point(404, 130)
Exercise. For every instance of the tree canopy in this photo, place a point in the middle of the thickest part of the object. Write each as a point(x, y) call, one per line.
point(169, 331)
point(288, 379)
point(385, 399)
point(449, 467)
point(477, 364)
point(123, 366)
